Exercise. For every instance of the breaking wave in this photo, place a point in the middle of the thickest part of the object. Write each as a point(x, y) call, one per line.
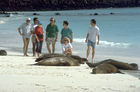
point(107, 43)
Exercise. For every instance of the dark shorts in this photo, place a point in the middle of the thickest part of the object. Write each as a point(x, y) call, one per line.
point(92, 44)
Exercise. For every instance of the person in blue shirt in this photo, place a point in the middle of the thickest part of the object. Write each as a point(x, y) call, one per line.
point(66, 32)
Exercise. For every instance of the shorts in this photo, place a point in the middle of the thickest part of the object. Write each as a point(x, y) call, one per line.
point(51, 40)
point(26, 36)
point(92, 44)
point(33, 39)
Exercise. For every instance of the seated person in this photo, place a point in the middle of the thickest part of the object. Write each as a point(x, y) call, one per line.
point(67, 47)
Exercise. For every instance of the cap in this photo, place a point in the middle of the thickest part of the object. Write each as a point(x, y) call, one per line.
point(28, 18)
point(39, 23)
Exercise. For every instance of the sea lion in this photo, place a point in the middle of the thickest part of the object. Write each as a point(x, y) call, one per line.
point(74, 57)
point(105, 68)
point(59, 60)
point(118, 64)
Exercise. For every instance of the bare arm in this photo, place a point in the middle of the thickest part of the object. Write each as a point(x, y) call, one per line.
point(46, 36)
point(98, 37)
point(56, 36)
point(71, 37)
point(87, 37)
point(20, 32)
point(61, 39)
point(36, 37)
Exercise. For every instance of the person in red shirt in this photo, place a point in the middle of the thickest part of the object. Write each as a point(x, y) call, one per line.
point(39, 38)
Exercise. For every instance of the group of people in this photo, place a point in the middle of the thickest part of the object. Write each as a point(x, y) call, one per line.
point(26, 30)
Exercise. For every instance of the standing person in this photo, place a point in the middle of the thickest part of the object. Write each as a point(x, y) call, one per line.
point(51, 35)
point(66, 32)
point(39, 38)
point(26, 33)
point(67, 47)
point(93, 33)
point(34, 25)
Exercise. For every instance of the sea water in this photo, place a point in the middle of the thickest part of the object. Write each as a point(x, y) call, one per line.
point(120, 32)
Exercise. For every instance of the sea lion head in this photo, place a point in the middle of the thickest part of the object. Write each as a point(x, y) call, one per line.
point(97, 71)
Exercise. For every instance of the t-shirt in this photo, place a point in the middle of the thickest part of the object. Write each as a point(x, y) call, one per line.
point(33, 28)
point(93, 33)
point(52, 30)
point(66, 33)
point(26, 30)
point(66, 47)
point(39, 32)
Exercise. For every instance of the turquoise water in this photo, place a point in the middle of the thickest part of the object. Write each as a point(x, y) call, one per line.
point(120, 33)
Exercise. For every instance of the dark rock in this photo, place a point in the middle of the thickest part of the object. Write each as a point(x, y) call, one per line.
point(36, 14)
point(96, 14)
point(58, 14)
point(3, 53)
point(91, 14)
point(59, 60)
point(105, 69)
point(112, 13)
point(34, 5)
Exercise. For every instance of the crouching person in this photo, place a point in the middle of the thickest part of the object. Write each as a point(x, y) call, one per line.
point(39, 38)
point(67, 47)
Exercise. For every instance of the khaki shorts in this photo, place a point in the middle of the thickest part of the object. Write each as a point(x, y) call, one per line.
point(33, 39)
point(51, 41)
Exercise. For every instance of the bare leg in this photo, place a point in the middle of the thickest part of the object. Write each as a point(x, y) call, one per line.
point(38, 54)
point(53, 48)
point(70, 51)
point(93, 54)
point(33, 49)
point(48, 47)
point(88, 51)
point(26, 46)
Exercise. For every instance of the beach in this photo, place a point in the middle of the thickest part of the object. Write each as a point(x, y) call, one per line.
point(119, 28)
point(18, 74)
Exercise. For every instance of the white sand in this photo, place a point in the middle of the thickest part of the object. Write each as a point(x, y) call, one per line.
point(17, 75)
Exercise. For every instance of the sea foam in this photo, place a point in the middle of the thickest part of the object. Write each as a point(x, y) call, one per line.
point(2, 22)
point(106, 43)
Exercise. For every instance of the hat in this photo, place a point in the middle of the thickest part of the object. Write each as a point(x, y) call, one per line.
point(39, 23)
point(28, 18)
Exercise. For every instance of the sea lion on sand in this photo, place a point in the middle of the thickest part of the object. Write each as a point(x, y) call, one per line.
point(105, 68)
point(59, 60)
point(118, 64)
point(111, 66)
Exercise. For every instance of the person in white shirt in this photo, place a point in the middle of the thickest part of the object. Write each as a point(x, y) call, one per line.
point(25, 33)
point(67, 47)
point(34, 25)
point(93, 33)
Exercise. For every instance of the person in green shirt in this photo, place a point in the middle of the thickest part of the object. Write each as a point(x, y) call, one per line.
point(51, 35)
point(66, 32)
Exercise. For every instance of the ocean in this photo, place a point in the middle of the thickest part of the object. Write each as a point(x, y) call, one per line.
point(120, 31)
